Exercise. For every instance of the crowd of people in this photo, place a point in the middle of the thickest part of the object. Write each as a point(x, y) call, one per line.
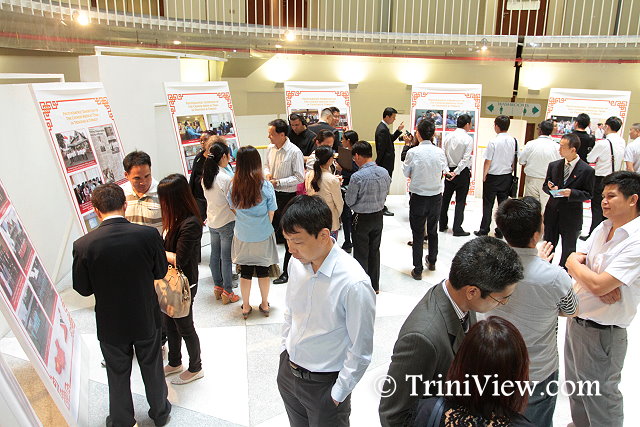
point(304, 192)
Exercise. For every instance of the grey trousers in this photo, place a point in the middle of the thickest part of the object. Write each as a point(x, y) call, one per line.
point(592, 354)
point(309, 403)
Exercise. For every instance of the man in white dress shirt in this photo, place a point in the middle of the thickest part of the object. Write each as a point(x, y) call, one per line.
point(607, 275)
point(632, 152)
point(458, 147)
point(498, 167)
point(535, 157)
point(608, 155)
point(327, 335)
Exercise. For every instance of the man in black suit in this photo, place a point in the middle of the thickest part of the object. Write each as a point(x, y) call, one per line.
point(328, 122)
point(587, 141)
point(118, 262)
point(483, 275)
point(386, 153)
point(302, 137)
point(574, 179)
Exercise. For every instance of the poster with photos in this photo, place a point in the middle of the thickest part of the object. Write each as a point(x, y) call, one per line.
point(443, 104)
point(36, 314)
point(196, 108)
point(84, 137)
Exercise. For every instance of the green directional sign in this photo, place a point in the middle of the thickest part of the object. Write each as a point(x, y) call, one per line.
point(490, 107)
point(515, 109)
point(535, 110)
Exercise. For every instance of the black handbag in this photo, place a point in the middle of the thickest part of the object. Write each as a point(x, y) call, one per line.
point(513, 190)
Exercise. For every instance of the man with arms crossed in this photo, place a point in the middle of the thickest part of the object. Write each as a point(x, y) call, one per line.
point(385, 150)
point(607, 275)
point(544, 294)
point(458, 147)
point(143, 204)
point(327, 336)
point(587, 141)
point(118, 262)
point(632, 152)
point(483, 275)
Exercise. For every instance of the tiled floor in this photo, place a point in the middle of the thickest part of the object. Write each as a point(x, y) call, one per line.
point(240, 358)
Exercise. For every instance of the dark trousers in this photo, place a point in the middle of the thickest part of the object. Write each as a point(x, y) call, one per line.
point(118, 359)
point(282, 199)
point(494, 186)
point(596, 204)
point(567, 230)
point(367, 234)
point(346, 217)
point(309, 402)
point(179, 329)
point(424, 209)
point(459, 185)
point(542, 405)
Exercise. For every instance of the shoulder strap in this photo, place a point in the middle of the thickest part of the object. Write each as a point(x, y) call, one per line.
point(612, 158)
point(436, 414)
point(515, 158)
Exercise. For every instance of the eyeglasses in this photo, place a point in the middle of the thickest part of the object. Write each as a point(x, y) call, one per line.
point(501, 301)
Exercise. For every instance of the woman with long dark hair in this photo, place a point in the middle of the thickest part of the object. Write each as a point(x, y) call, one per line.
point(349, 138)
point(325, 184)
point(494, 349)
point(216, 184)
point(324, 137)
point(182, 229)
point(254, 241)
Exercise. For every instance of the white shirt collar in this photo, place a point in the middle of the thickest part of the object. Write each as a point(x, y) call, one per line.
point(111, 216)
point(457, 309)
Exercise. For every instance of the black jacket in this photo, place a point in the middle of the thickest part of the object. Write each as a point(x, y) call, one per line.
point(586, 143)
point(386, 154)
point(185, 242)
point(568, 210)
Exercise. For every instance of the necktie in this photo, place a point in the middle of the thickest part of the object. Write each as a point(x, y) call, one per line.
point(567, 171)
point(465, 322)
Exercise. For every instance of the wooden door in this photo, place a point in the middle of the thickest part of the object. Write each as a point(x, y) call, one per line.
point(520, 22)
point(259, 12)
point(292, 13)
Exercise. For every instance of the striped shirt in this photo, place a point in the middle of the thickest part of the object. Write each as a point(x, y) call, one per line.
point(286, 165)
point(368, 189)
point(143, 210)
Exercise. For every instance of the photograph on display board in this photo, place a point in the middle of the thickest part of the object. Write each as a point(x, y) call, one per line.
point(43, 288)
point(34, 321)
point(220, 123)
point(190, 152)
point(91, 221)
point(191, 127)
point(343, 122)
point(3, 200)
point(437, 138)
point(310, 115)
point(75, 149)
point(83, 184)
point(16, 238)
point(108, 152)
point(434, 115)
point(452, 118)
point(233, 146)
point(10, 274)
point(61, 348)
point(564, 125)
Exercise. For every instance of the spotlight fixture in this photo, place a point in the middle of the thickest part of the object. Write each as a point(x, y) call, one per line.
point(290, 36)
point(484, 43)
point(80, 17)
point(278, 46)
point(177, 42)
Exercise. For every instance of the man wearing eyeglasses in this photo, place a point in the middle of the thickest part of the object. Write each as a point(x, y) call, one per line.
point(544, 294)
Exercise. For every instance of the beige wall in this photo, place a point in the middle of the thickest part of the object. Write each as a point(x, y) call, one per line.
point(67, 65)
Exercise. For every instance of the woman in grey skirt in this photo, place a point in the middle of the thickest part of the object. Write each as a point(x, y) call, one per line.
point(254, 243)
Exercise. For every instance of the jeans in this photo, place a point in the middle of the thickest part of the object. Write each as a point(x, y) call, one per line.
point(542, 405)
point(220, 261)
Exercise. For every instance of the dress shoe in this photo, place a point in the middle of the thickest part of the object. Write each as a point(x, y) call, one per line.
point(387, 212)
point(417, 275)
point(432, 266)
point(284, 278)
point(461, 233)
point(498, 234)
point(480, 233)
point(584, 238)
point(443, 229)
point(162, 422)
point(180, 381)
point(170, 370)
point(347, 248)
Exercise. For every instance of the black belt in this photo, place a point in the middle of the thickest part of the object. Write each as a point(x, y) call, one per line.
point(368, 214)
point(305, 374)
point(591, 324)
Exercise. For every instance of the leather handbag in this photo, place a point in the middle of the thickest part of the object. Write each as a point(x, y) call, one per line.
point(174, 293)
point(513, 190)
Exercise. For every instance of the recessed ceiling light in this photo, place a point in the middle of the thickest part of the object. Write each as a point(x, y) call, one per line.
point(278, 46)
point(290, 36)
point(177, 42)
point(81, 17)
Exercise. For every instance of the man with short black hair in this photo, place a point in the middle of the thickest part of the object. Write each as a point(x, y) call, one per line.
point(571, 180)
point(299, 135)
point(424, 165)
point(284, 168)
point(497, 174)
point(587, 141)
point(385, 150)
point(328, 122)
point(520, 220)
point(327, 340)
point(536, 156)
point(118, 263)
point(458, 146)
point(366, 194)
point(483, 275)
point(608, 155)
point(607, 275)
point(632, 152)
point(141, 191)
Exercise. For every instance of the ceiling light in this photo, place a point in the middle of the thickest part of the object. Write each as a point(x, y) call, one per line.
point(484, 42)
point(177, 42)
point(278, 46)
point(81, 17)
point(290, 36)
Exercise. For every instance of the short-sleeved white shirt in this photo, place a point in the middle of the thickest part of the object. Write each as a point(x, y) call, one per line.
point(632, 154)
point(620, 257)
point(500, 151)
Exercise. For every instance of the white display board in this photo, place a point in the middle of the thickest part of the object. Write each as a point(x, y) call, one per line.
point(565, 104)
point(38, 317)
point(443, 103)
point(310, 98)
point(196, 107)
point(84, 138)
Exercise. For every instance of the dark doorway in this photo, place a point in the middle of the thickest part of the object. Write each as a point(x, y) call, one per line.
point(520, 22)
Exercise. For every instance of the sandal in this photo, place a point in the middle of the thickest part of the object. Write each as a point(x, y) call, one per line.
point(245, 315)
point(228, 297)
point(263, 311)
point(217, 291)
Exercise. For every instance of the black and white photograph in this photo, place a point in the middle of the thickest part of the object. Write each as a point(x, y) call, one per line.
point(310, 115)
point(452, 118)
point(190, 152)
point(35, 322)
point(43, 288)
point(434, 115)
point(10, 274)
point(191, 127)
point(17, 239)
point(107, 151)
point(91, 221)
point(220, 124)
point(75, 148)
point(83, 184)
